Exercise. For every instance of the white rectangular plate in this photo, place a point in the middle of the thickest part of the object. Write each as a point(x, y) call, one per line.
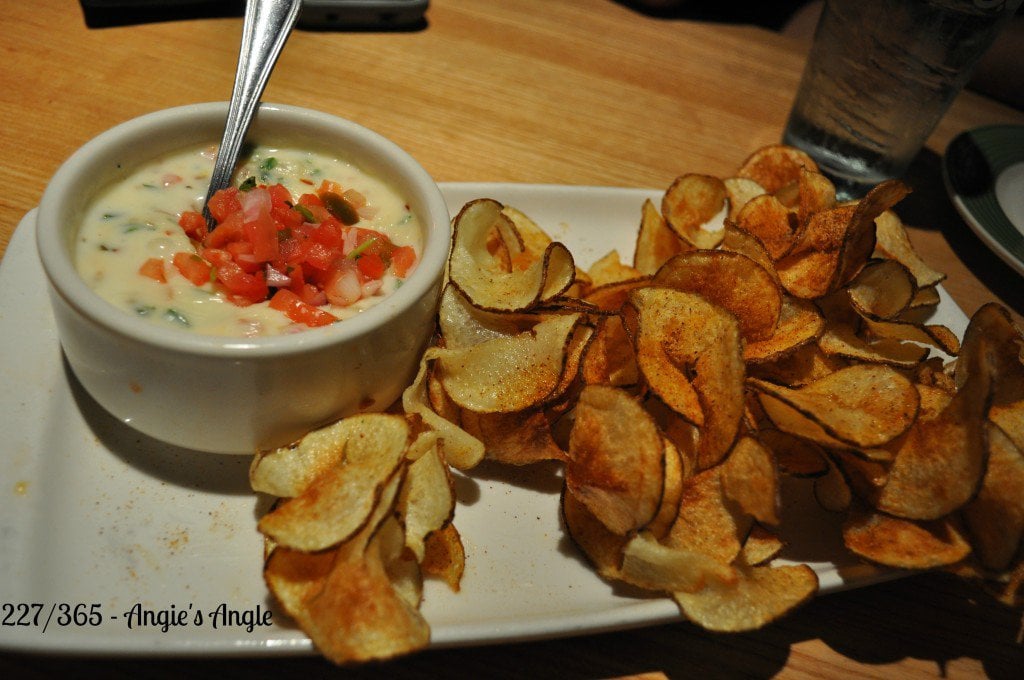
point(97, 521)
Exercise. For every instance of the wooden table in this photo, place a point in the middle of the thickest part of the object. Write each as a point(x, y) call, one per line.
point(583, 92)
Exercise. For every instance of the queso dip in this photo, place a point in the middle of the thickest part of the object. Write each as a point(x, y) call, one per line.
point(335, 239)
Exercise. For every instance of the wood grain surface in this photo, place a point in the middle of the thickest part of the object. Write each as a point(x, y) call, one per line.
point(582, 92)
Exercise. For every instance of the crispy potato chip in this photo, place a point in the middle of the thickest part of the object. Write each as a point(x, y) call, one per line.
point(841, 340)
point(427, 500)
point(463, 325)
point(688, 351)
point(771, 222)
point(794, 455)
point(800, 324)
point(610, 269)
point(936, 335)
point(816, 193)
point(616, 465)
point(864, 406)
point(892, 242)
point(708, 522)
point(690, 203)
point(609, 358)
point(509, 373)
point(776, 165)
point(750, 479)
point(650, 565)
point(940, 461)
point(340, 501)
point(729, 280)
point(882, 290)
point(903, 543)
point(995, 517)
point(992, 331)
point(668, 508)
point(461, 449)
point(740, 190)
point(472, 270)
point(444, 556)
point(737, 240)
point(761, 546)
point(602, 547)
point(289, 470)
point(803, 365)
point(760, 596)
point(655, 241)
point(518, 438)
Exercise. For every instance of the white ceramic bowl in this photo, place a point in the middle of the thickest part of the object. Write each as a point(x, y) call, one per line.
point(237, 395)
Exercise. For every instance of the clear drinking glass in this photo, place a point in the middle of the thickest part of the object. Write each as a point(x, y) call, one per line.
point(879, 77)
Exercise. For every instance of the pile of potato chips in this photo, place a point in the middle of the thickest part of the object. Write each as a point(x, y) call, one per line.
point(675, 391)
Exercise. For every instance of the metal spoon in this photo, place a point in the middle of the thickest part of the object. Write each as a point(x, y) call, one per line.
point(265, 29)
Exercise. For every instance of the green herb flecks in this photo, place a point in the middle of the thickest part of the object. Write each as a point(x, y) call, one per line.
point(306, 213)
point(144, 310)
point(174, 316)
point(361, 248)
point(248, 185)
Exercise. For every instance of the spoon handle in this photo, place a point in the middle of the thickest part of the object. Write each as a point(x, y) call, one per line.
point(265, 29)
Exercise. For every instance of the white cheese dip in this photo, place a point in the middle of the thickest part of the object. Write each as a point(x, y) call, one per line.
point(137, 219)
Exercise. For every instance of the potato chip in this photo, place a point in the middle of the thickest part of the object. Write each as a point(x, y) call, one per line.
point(992, 331)
point(760, 547)
point(776, 165)
point(892, 242)
point(655, 241)
point(800, 324)
point(771, 222)
point(815, 193)
point(610, 269)
point(740, 190)
point(518, 438)
point(761, 595)
point(882, 290)
point(708, 522)
point(729, 280)
point(616, 465)
point(690, 203)
point(472, 269)
point(794, 455)
point(832, 491)
point(676, 472)
point(750, 479)
point(650, 565)
point(995, 517)
point(609, 358)
point(444, 556)
point(939, 463)
point(863, 406)
point(427, 501)
point(508, 374)
point(688, 351)
point(461, 449)
point(340, 501)
point(903, 543)
point(842, 341)
point(601, 546)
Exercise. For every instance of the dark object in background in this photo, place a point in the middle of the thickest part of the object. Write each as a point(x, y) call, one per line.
point(356, 15)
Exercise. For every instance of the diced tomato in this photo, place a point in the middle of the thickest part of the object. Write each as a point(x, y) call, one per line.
point(194, 224)
point(280, 196)
point(227, 230)
point(249, 287)
point(402, 260)
point(298, 311)
point(154, 268)
point(223, 203)
point(321, 256)
point(329, 233)
point(371, 265)
point(192, 267)
point(261, 233)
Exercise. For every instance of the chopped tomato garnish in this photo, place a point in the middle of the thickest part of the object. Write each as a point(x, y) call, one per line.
point(192, 267)
point(402, 260)
point(371, 265)
point(154, 268)
point(299, 311)
point(300, 254)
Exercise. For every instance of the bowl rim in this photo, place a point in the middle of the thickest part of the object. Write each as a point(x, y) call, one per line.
point(66, 282)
